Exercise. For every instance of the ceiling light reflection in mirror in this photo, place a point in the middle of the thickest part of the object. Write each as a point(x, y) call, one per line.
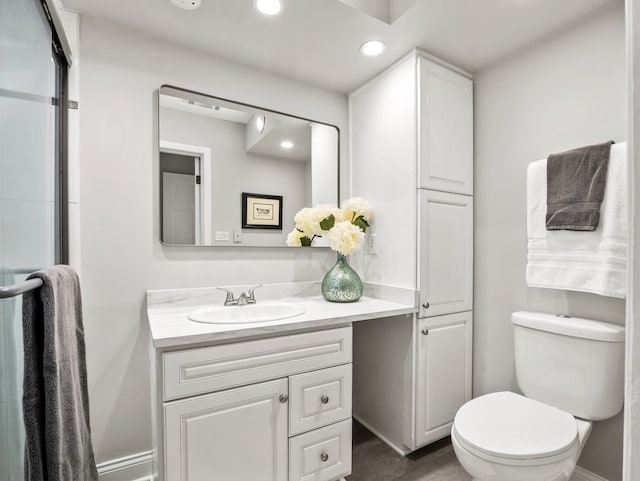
point(268, 7)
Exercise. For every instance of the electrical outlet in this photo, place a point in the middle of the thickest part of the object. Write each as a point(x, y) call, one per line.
point(372, 244)
point(237, 236)
point(222, 236)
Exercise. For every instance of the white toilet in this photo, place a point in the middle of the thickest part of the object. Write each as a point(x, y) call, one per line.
point(571, 371)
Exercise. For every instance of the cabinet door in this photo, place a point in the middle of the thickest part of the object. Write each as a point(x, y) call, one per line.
point(444, 373)
point(446, 253)
point(446, 129)
point(235, 435)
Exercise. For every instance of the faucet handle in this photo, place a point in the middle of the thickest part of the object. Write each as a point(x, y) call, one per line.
point(229, 298)
point(250, 294)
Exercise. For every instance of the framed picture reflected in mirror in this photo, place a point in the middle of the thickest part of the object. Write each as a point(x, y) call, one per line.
point(261, 211)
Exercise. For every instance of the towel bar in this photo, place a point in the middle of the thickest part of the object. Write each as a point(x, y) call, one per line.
point(20, 288)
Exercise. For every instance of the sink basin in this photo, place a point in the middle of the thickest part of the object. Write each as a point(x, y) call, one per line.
point(259, 312)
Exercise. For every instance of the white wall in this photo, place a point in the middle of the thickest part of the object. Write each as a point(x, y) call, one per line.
point(121, 253)
point(565, 92)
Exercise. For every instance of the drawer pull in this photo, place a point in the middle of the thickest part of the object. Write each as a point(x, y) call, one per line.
point(425, 305)
point(324, 399)
point(425, 331)
point(324, 457)
point(284, 398)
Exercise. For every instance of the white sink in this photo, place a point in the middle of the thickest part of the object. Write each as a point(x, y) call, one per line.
point(259, 312)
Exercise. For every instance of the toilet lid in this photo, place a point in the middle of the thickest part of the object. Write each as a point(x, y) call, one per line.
point(507, 425)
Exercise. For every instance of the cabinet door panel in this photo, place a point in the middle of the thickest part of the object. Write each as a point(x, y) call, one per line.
point(444, 373)
point(446, 129)
point(446, 253)
point(235, 435)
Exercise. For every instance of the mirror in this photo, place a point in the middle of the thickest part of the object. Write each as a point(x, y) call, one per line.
point(233, 174)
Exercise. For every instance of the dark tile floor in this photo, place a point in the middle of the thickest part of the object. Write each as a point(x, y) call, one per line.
point(373, 460)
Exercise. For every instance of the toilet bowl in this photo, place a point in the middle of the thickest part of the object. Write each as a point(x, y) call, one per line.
point(507, 437)
point(571, 372)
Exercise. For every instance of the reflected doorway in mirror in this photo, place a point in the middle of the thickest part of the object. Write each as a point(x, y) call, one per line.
point(185, 192)
point(261, 211)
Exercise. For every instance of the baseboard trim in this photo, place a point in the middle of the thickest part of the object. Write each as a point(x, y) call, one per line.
point(135, 467)
point(400, 451)
point(581, 474)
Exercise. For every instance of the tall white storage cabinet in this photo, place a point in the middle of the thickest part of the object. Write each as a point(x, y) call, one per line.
point(412, 157)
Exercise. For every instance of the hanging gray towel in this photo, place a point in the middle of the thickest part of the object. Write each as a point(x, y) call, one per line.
point(576, 181)
point(55, 398)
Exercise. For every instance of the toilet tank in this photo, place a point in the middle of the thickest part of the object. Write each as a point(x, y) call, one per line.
point(574, 364)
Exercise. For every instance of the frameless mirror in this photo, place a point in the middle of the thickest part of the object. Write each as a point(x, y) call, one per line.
point(233, 174)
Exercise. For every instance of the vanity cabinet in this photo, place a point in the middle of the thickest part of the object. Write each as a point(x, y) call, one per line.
point(411, 131)
point(274, 409)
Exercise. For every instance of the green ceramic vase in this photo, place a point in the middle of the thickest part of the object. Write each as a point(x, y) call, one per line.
point(342, 283)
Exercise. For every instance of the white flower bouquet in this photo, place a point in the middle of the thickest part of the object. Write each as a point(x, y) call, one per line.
point(345, 227)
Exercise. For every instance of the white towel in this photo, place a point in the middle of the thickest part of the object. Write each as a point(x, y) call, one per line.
point(580, 261)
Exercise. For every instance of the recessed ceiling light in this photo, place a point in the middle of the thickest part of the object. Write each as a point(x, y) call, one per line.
point(260, 120)
point(187, 4)
point(268, 7)
point(286, 144)
point(372, 48)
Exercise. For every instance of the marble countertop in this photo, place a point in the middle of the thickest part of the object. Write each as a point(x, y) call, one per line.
point(167, 312)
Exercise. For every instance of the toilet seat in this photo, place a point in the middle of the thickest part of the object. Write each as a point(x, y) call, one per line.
point(507, 428)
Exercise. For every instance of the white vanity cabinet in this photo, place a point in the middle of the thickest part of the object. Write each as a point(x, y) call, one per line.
point(271, 409)
point(411, 131)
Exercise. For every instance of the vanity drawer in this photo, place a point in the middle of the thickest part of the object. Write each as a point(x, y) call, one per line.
point(196, 371)
point(321, 455)
point(319, 398)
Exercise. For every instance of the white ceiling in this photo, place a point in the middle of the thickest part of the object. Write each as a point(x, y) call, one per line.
point(317, 41)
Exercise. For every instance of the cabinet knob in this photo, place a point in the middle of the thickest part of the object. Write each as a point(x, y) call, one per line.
point(324, 457)
point(425, 331)
point(284, 398)
point(425, 305)
point(324, 399)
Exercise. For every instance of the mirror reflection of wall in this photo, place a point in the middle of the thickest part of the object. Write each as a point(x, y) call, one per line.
point(212, 151)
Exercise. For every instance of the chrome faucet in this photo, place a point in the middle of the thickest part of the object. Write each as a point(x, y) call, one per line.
point(242, 300)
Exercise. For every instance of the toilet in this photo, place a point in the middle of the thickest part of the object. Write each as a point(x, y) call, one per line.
point(571, 373)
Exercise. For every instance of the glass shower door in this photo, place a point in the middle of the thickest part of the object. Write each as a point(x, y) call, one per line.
point(30, 76)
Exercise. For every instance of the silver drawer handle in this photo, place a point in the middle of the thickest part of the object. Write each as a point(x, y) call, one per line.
point(324, 399)
point(324, 457)
point(425, 305)
point(284, 398)
point(425, 331)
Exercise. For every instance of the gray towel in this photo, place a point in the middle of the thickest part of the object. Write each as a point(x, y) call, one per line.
point(55, 399)
point(576, 181)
